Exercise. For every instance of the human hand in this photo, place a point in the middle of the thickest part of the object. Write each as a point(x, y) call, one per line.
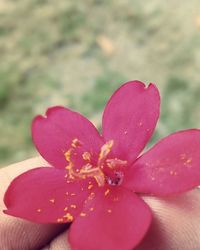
point(176, 221)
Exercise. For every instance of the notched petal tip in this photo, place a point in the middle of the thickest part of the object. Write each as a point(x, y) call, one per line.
point(135, 108)
point(48, 112)
point(52, 110)
point(150, 85)
point(153, 87)
point(141, 84)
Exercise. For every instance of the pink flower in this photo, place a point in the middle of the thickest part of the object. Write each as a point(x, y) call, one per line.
point(96, 179)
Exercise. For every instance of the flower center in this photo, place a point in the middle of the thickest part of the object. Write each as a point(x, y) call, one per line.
point(105, 170)
point(116, 180)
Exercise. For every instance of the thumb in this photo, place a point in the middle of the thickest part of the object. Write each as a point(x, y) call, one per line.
point(176, 223)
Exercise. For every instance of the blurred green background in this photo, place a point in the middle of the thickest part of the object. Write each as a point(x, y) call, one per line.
point(75, 53)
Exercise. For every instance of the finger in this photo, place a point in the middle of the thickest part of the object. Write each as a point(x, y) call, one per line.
point(16, 233)
point(176, 223)
point(59, 243)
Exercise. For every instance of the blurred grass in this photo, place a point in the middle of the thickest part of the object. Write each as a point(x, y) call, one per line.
point(77, 53)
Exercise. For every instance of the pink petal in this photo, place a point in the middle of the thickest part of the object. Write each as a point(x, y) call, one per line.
point(115, 221)
point(54, 134)
point(171, 166)
point(130, 118)
point(43, 195)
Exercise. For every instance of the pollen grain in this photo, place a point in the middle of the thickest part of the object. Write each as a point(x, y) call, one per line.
point(52, 200)
point(107, 192)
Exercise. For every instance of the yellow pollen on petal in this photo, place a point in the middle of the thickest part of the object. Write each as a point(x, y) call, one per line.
point(90, 186)
point(189, 160)
point(182, 156)
point(68, 216)
point(116, 199)
point(68, 155)
point(91, 196)
point(73, 206)
point(107, 192)
point(76, 143)
point(174, 173)
point(140, 124)
point(82, 214)
point(52, 200)
point(39, 210)
point(59, 220)
point(65, 209)
point(72, 194)
point(109, 211)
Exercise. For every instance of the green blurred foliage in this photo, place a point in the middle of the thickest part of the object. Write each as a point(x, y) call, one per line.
point(76, 53)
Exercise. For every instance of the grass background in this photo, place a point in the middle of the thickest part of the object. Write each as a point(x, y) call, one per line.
point(75, 53)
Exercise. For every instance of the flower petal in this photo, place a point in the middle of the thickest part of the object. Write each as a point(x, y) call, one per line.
point(53, 135)
point(116, 221)
point(130, 118)
point(171, 166)
point(43, 195)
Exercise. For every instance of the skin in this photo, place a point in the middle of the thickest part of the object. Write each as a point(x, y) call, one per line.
point(176, 221)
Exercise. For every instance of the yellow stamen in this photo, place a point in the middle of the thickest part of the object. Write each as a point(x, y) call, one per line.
point(113, 163)
point(105, 150)
point(107, 192)
point(89, 170)
point(86, 156)
point(68, 155)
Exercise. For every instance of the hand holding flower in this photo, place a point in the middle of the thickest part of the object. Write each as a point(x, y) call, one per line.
point(176, 222)
point(97, 181)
